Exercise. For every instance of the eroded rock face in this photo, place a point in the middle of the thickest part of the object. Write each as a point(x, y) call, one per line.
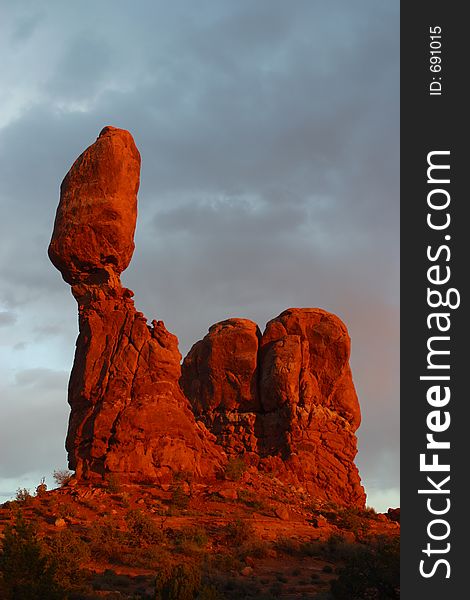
point(284, 400)
point(128, 413)
point(220, 378)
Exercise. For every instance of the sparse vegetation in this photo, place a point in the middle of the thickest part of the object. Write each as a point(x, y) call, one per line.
point(179, 500)
point(68, 554)
point(287, 546)
point(62, 476)
point(27, 573)
point(23, 495)
point(89, 544)
point(372, 572)
point(239, 531)
point(250, 499)
point(183, 582)
point(349, 518)
point(142, 529)
point(107, 540)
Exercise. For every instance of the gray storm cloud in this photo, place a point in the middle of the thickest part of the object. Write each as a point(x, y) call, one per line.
point(269, 137)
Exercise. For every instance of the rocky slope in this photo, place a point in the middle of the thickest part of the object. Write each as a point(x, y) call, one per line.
point(282, 401)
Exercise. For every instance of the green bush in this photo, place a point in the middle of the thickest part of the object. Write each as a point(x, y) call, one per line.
point(62, 476)
point(179, 499)
point(68, 553)
point(107, 540)
point(208, 592)
point(353, 519)
point(23, 495)
point(287, 546)
point(251, 500)
point(26, 569)
point(239, 531)
point(255, 548)
point(142, 529)
point(183, 582)
point(371, 572)
point(195, 534)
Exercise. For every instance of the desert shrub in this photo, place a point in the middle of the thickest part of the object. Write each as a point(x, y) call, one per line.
point(312, 548)
point(125, 500)
point(239, 531)
point(255, 549)
point(142, 529)
point(23, 495)
point(370, 512)
point(353, 519)
point(196, 534)
point(208, 592)
point(314, 576)
point(250, 499)
point(225, 562)
point(338, 548)
point(62, 476)
point(372, 572)
point(276, 588)
point(183, 582)
point(329, 510)
point(27, 572)
point(287, 546)
point(107, 540)
point(68, 552)
point(191, 541)
point(235, 468)
point(179, 500)
point(149, 557)
point(350, 518)
point(64, 509)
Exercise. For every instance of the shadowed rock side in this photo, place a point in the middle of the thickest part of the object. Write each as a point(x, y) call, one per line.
point(285, 399)
point(128, 414)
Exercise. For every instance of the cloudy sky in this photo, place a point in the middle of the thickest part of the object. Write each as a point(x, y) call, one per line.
point(269, 136)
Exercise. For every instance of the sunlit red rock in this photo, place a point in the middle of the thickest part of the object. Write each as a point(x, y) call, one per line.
point(284, 402)
point(96, 217)
point(285, 399)
point(220, 379)
point(128, 413)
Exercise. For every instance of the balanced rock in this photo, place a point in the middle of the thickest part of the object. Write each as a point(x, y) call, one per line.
point(95, 221)
point(284, 402)
point(128, 413)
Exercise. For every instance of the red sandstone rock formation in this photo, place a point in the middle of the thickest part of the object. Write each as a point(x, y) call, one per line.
point(284, 400)
point(128, 414)
point(220, 379)
point(95, 221)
